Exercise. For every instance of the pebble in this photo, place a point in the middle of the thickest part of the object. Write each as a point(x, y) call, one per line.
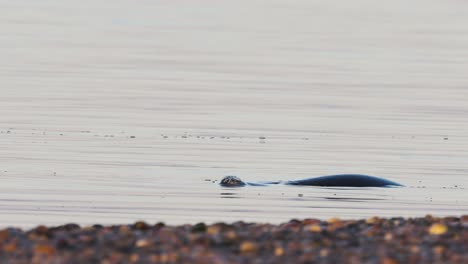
point(247, 247)
point(374, 240)
point(438, 229)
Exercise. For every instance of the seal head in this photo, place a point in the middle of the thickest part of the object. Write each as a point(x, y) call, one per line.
point(232, 181)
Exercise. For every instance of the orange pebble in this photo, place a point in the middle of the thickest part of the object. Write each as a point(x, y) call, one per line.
point(333, 220)
point(438, 229)
point(372, 220)
point(44, 249)
point(247, 247)
point(389, 261)
point(231, 235)
point(315, 228)
point(142, 243)
point(11, 247)
point(213, 230)
point(279, 251)
point(438, 250)
point(4, 234)
point(134, 258)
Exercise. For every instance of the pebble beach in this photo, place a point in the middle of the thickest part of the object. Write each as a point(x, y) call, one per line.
point(373, 240)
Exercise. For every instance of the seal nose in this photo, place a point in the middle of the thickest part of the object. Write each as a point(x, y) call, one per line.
point(231, 181)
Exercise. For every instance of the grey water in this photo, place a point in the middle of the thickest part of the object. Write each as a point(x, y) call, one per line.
point(117, 111)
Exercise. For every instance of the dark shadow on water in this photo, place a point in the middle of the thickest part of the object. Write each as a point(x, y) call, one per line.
point(353, 199)
point(229, 195)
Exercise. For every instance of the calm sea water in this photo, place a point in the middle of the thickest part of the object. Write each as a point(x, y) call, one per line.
point(116, 111)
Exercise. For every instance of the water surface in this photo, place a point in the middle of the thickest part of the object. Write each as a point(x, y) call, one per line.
point(115, 111)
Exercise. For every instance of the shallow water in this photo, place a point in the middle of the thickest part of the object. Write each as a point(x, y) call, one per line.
point(117, 111)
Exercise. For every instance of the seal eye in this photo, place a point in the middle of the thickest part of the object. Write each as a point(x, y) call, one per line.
point(231, 181)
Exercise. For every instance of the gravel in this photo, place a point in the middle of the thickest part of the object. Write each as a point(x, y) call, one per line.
point(374, 240)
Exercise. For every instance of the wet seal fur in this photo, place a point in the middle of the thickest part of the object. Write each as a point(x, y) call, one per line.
point(340, 180)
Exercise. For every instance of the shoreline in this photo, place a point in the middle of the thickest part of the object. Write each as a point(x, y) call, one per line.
point(373, 240)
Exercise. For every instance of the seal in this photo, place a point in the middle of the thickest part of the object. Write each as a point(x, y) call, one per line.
point(339, 180)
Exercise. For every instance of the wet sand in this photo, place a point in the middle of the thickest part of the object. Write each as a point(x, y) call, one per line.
point(372, 240)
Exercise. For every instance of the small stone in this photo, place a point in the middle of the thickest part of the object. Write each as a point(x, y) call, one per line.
point(41, 230)
point(173, 257)
point(86, 239)
point(372, 220)
point(71, 226)
point(231, 235)
point(324, 253)
point(160, 225)
point(154, 258)
point(388, 236)
point(464, 219)
point(438, 229)
point(141, 225)
point(134, 258)
point(124, 229)
point(10, 247)
point(310, 221)
point(415, 249)
point(213, 230)
point(333, 220)
point(97, 226)
point(279, 251)
point(200, 227)
point(142, 243)
point(438, 250)
point(44, 249)
point(315, 228)
point(389, 261)
point(4, 235)
point(62, 243)
point(164, 258)
point(248, 247)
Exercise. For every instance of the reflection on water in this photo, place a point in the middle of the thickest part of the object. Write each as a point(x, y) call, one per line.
point(116, 112)
point(352, 199)
point(229, 195)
